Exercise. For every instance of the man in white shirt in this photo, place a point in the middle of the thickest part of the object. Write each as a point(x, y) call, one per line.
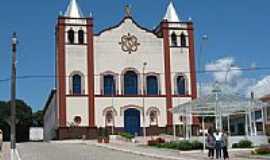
point(218, 137)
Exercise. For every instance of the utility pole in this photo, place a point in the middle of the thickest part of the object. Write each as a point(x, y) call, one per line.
point(144, 123)
point(13, 94)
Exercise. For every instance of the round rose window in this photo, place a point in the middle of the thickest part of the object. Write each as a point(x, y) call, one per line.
point(77, 120)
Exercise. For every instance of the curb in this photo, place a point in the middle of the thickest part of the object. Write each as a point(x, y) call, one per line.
point(142, 153)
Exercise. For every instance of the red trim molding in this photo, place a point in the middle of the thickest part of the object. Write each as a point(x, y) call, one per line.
point(61, 72)
point(90, 67)
point(167, 64)
point(192, 61)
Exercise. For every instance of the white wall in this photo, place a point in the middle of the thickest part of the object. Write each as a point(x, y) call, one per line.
point(77, 106)
point(51, 120)
point(110, 57)
point(120, 103)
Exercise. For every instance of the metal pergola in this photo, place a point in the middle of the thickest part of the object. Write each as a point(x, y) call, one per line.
point(221, 105)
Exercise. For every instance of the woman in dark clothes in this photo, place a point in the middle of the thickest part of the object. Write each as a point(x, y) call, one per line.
point(211, 142)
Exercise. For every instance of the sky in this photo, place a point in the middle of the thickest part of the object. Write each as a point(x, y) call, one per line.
point(238, 34)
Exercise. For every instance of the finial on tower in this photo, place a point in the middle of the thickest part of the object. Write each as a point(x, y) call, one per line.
point(171, 14)
point(128, 11)
point(73, 10)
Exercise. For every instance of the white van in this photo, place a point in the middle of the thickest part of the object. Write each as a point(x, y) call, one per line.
point(1, 139)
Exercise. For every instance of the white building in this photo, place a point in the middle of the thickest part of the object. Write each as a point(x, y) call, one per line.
point(125, 77)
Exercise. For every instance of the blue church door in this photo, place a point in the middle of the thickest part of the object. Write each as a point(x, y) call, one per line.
point(132, 121)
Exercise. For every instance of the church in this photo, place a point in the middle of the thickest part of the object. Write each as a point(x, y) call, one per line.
point(125, 77)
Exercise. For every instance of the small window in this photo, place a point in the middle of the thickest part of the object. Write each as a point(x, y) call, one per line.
point(183, 40)
point(174, 40)
point(77, 84)
point(81, 37)
point(152, 85)
point(109, 118)
point(130, 83)
point(71, 35)
point(109, 85)
point(181, 85)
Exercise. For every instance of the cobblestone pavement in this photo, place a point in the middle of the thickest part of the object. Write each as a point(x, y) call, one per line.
point(61, 151)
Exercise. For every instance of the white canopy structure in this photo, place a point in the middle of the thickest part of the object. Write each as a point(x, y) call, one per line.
point(222, 105)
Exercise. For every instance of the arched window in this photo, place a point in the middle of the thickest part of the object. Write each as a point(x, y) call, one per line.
point(153, 116)
point(181, 85)
point(81, 37)
point(130, 83)
point(71, 35)
point(183, 40)
point(109, 118)
point(174, 40)
point(77, 84)
point(109, 85)
point(152, 85)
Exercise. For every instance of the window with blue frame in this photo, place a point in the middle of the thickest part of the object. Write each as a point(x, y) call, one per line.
point(130, 83)
point(152, 85)
point(77, 84)
point(181, 85)
point(109, 85)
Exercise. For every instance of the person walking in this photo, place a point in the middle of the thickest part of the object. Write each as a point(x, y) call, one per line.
point(210, 142)
point(218, 137)
point(225, 143)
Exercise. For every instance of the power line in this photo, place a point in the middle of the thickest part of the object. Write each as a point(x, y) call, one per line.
point(160, 73)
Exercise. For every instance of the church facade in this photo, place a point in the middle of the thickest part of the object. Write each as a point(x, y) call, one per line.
point(125, 78)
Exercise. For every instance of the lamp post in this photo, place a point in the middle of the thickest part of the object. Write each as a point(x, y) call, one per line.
point(13, 94)
point(217, 90)
point(144, 127)
point(201, 60)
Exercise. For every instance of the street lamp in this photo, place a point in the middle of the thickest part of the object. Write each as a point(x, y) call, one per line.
point(144, 127)
point(13, 94)
point(200, 61)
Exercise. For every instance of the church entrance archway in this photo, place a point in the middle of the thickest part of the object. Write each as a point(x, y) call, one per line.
point(132, 121)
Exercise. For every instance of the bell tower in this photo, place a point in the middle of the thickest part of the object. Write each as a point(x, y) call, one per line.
point(179, 59)
point(74, 68)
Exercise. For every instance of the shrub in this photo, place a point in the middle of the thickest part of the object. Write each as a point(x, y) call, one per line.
point(262, 150)
point(184, 145)
point(155, 142)
point(235, 145)
point(126, 135)
point(196, 145)
point(243, 144)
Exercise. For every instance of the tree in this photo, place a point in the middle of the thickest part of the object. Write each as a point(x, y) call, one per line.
point(37, 118)
point(24, 120)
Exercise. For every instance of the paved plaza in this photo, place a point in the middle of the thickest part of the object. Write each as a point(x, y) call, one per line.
point(125, 151)
point(57, 151)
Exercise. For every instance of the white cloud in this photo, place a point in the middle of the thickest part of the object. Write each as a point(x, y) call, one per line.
point(224, 70)
point(261, 88)
point(231, 79)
